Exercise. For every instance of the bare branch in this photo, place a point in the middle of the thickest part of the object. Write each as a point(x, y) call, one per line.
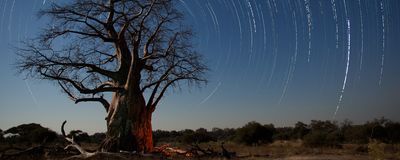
point(79, 87)
point(74, 144)
point(118, 46)
point(103, 101)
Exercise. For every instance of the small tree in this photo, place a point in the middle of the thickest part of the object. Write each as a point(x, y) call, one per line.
point(323, 133)
point(32, 133)
point(300, 130)
point(132, 49)
point(254, 133)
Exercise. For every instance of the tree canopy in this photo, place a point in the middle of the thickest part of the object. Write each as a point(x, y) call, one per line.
point(91, 47)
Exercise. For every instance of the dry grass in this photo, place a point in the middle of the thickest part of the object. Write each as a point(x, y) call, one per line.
point(294, 150)
point(379, 151)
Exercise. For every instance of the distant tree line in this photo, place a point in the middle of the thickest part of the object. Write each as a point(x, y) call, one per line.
point(327, 133)
point(315, 134)
point(36, 134)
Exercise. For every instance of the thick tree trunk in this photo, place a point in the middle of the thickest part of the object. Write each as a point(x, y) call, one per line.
point(128, 124)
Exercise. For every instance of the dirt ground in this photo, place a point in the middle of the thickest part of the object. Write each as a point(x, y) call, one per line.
point(275, 151)
point(327, 157)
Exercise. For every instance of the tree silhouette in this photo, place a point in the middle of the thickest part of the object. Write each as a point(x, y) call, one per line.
point(32, 133)
point(130, 48)
point(254, 133)
point(1, 136)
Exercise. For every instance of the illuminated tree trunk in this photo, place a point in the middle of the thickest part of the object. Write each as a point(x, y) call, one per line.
point(128, 124)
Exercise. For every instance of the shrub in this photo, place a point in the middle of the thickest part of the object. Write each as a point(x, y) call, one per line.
point(356, 134)
point(97, 137)
point(254, 133)
point(300, 130)
point(284, 133)
point(322, 139)
point(41, 135)
point(160, 136)
point(199, 136)
point(32, 133)
point(393, 132)
point(314, 139)
point(1, 136)
point(226, 134)
point(79, 136)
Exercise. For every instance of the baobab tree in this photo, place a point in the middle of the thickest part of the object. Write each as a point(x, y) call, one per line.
point(134, 49)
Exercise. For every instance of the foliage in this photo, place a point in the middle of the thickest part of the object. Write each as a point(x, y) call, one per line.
point(79, 136)
point(97, 137)
point(381, 129)
point(316, 134)
point(393, 132)
point(323, 134)
point(225, 134)
point(32, 133)
point(356, 134)
point(189, 136)
point(160, 136)
point(300, 130)
point(199, 136)
point(254, 133)
point(322, 139)
point(327, 126)
point(284, 133)
point(1, 136)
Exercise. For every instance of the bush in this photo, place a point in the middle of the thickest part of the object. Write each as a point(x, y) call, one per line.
point(41, 135)
point(284, 133)
point(223, 134)
point(199, 136)
point(254, 133)
point(393, 132)
point(32, 133)
point(315, 139)
point(97, 137)
point(322, 139)
point(160, 136)
point(300, 130)
point(79, 136)
point(1, 136)
point(356, 134)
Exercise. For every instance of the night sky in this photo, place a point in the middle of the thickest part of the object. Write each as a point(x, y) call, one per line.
point(271, 61)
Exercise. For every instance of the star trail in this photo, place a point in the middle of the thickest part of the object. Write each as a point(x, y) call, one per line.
point(274, 61)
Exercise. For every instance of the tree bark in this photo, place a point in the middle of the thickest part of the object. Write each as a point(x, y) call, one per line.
point(128, 124)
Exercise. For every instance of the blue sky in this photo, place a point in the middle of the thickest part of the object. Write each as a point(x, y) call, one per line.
point(271, 61)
